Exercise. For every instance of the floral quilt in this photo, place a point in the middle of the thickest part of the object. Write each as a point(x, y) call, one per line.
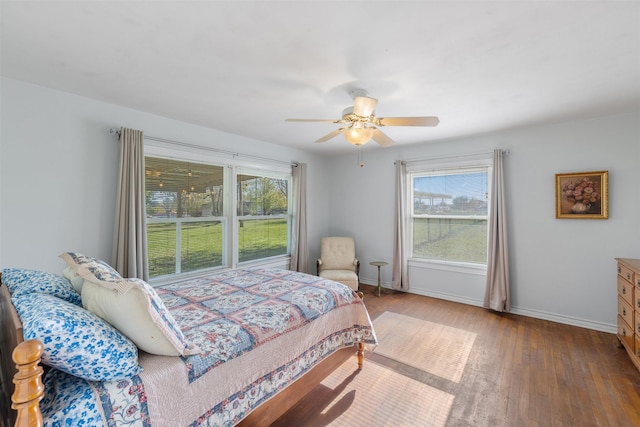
point(258, 330)
point(231, 313)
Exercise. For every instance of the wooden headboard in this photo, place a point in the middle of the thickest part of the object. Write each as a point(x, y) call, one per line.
point(10, 337)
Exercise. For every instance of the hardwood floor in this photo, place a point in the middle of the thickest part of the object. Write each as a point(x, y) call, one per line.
point(520, 372)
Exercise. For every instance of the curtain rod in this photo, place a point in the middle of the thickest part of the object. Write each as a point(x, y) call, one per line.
point(114, 131)
point(506, 152)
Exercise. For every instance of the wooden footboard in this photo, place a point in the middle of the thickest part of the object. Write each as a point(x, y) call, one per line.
point(23, 388)
point(29, 389)
point(10, 337)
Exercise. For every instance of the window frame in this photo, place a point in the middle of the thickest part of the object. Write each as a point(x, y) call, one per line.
point(426, 167)
point(229, 220)
point(236, 218)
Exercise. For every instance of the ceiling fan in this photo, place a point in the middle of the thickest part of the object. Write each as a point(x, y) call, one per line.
point(361, 125)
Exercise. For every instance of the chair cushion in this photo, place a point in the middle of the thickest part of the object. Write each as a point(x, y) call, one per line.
point(346, 277)
point(338, 253)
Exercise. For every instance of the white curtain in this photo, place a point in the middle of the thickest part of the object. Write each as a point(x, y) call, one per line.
point(299, 246)
point(129, 255)
point(497, 292)
point(400, 273)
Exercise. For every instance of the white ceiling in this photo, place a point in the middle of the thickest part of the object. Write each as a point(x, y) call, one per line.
point(243, 67)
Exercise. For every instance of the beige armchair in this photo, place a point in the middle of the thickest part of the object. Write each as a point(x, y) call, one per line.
point(338, 261)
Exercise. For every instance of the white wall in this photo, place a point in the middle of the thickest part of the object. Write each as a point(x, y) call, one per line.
point(561, 269)
point(59, 168)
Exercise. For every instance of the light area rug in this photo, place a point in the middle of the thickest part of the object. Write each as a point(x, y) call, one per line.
point(431, 347)
point(378, 396)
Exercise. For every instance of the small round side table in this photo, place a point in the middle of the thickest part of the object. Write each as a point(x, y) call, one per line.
point(378, 264)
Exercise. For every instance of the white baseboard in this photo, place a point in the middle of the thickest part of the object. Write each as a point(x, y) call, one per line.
point(567, 320)
point(536, 314)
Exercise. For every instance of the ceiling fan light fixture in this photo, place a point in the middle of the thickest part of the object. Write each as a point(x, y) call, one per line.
point(358, 134)
point(360, 125)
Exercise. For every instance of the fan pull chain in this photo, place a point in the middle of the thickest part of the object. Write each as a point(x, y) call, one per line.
point(360, 157)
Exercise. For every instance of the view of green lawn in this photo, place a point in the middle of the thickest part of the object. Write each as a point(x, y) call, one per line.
point(202, 243)
point(450, 239)
point(262, 238)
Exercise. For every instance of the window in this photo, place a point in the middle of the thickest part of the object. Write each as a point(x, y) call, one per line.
point(191, 211)
point(263, 216)
point(449, 210)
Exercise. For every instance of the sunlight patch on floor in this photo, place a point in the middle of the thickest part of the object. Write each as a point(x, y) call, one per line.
point(378, 396)
point(431, 347)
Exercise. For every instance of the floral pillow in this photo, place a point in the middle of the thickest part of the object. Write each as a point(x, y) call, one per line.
point(139, 314)
point(24, 281)
point(96, 271)
point(73, 400)
point(75, 340)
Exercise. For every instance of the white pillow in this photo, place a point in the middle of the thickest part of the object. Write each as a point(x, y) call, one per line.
point(74, 278)
point(140, 314)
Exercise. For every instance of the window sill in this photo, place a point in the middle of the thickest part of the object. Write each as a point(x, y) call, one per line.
point(282, 261)
point(267, 262)
point(457, 267)
point(173, 278)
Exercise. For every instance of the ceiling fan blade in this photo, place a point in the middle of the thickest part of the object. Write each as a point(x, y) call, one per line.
point(381, 138)
point(407, 121)
point(312, 120)
point(331, 135)
point(363, 106)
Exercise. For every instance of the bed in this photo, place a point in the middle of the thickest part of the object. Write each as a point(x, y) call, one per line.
point(235, 347)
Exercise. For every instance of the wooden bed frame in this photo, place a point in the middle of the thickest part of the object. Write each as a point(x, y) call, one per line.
point(24, 356)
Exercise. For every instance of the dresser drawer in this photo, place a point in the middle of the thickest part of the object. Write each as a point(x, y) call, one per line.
point(626, 311)
point(625, 290)
point(626, 273)
point(628, 279)
point(625, 333)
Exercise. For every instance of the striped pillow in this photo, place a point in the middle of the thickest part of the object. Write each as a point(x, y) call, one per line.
point(96, 271)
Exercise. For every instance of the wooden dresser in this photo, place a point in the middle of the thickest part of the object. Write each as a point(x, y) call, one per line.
point(629, 307)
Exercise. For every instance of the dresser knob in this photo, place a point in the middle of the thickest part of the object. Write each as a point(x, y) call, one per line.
point(624, 311)
point(624, 291)
point(628, 276)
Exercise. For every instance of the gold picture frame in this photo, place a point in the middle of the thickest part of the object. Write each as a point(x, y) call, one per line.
point(582, 195)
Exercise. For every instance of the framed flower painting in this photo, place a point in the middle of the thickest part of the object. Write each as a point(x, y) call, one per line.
point(582, 195)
